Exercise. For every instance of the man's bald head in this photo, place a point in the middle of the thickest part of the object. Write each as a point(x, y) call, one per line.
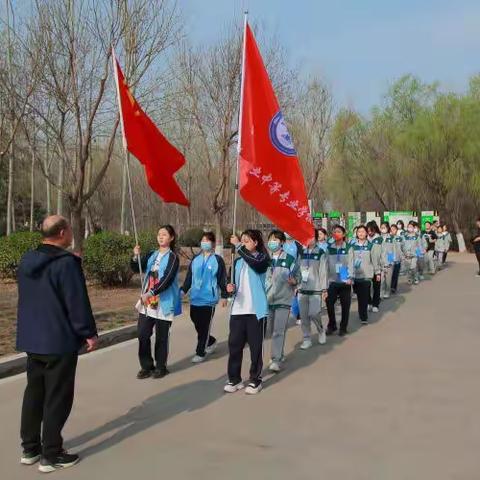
point(56, 229)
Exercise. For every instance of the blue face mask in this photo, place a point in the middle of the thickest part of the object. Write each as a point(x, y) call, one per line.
point(273, 246)
point(206, 246)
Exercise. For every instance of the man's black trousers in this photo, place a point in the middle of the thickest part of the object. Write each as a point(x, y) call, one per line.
point(343, 292)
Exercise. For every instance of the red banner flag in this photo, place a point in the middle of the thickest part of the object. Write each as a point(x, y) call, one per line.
point(145, 141)
point(270, 176)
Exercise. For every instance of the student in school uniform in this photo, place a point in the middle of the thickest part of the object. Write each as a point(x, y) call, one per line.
point(448, 243)
point(440, 248)
point(429, 236)
point(282, 278)
point(340, 278)
point(376, 240)
point(413, 249)
point(387, 260)
point(313, 286)
point(322, 239)
point(207, 282)
point(159, 303)
point(364, 268)
point(249, 310)
point(399, 256)
point(294, 249)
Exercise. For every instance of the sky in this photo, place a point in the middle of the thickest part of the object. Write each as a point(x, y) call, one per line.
point(359, 47)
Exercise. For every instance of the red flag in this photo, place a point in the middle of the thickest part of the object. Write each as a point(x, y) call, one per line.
point(270, 175)
point(145, 141)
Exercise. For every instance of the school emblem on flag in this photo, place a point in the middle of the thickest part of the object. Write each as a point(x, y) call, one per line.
point(280, 137)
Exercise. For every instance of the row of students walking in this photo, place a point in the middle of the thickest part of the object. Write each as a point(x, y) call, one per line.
point(270, 283)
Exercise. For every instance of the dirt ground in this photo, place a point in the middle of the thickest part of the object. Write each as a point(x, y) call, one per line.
point(113, 307)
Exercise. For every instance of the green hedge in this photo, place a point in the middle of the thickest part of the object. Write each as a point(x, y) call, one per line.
point(106, 257)
point(12, 249)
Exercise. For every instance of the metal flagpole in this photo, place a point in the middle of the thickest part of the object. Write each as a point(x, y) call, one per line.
point(127, 168)
point(239, 144)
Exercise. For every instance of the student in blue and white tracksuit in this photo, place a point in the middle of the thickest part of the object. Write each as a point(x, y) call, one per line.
point(249, 310)
point(207, 281)
point(159, 303)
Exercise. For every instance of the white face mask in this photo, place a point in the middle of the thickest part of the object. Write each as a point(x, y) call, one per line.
point(384, 231)
point(410, 230)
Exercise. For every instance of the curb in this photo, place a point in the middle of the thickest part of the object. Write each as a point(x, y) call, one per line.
point(15, 364)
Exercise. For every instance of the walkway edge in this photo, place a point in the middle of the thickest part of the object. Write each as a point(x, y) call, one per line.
point(15, 364)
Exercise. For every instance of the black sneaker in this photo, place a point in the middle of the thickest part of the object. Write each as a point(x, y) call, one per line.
point(342, 333)
point(364, 322)
point(64, 460)
point(142, 374)
point(29, 458)
point(160, 373)
point(331, 331)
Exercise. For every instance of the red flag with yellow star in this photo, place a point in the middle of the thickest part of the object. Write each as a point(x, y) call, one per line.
point(145, 141)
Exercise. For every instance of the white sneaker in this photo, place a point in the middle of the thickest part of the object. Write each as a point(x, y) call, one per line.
point(306, 344)
point(29, 458)
point(375, 310)
point(298, 321)
point(322, 337)
point(387, 295)
point(209, 350)
point(230, 387)
point(253, 389)
point(198, 359)
point(274, 367)
point(416, 282)
point(370, 308)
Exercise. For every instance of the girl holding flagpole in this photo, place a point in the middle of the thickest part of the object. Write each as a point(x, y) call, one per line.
point(249, 310)
point(207, 281)
point(159, 302)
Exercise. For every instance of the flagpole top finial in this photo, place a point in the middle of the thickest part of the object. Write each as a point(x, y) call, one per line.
point(245, 12)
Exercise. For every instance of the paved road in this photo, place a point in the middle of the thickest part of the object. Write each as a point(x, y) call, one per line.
point(396, 400)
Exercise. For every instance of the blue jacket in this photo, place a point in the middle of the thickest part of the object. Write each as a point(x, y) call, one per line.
point(206, 276)
point(257, 267)
point(166, 286)
point(54, 313)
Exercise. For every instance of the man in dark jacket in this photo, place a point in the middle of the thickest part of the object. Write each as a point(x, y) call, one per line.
point(54, 320)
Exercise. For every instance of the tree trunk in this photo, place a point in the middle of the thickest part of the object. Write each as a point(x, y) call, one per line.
point(78, 228)
point(10, 191)
point(60, 189)
point(32, 190)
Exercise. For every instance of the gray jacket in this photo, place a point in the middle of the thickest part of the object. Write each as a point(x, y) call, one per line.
point(389, 254)
point(399, 247)
point(279, 292)
point(339, 257)
point(441, 243)
point(376, 242)
point(313, 271)
point(412, 245)
point(363, 258)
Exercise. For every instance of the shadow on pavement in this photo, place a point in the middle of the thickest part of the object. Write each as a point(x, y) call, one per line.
point(156, 409)
point(201, 393)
